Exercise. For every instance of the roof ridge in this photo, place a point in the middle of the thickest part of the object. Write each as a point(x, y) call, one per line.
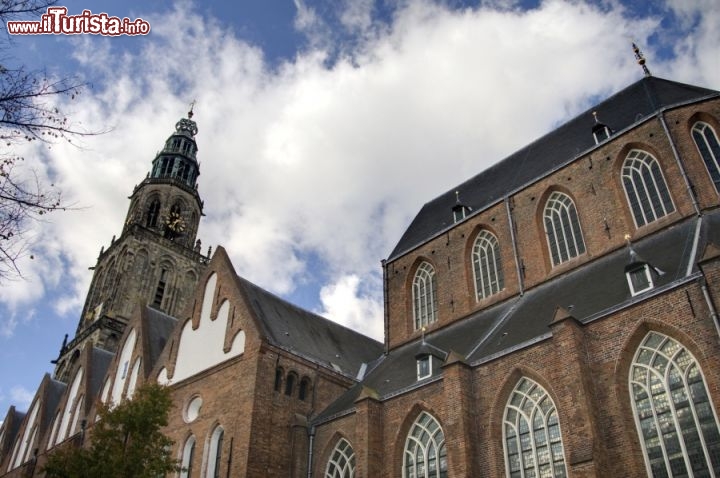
point(298, 308)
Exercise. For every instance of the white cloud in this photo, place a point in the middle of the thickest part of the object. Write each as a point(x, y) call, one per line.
point(21, 397)
point(311, 159)
point(343, 302)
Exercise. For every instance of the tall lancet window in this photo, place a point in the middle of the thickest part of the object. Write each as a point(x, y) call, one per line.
point(424, 293)
point(707, 142)
point(341, 463)
point(532, 439)
point(486, 265)
point(562, 227)
point(215, 453)
point(153, 212)
point(645, 188)
point(187, 457)
point(425, 454)
point(674, 416)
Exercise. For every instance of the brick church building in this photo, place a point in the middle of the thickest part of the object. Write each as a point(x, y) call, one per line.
point(553, 316)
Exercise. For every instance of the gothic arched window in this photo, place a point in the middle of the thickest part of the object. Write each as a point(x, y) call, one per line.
point(487, 267)
point(304, 388)
point(425, 454)
point(562, 227)
point(153, 212)
point(290, 383)
point(531, 431)
point(187, 457)
point(215, 453)
point(341, 463)
point(707, 142)
point(645, 187)
point(279, 372)
point(424, 296)
point(673, 413)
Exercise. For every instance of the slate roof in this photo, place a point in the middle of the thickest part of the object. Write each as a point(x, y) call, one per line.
point(157, 328)
point(99, 364)
point(308, 334)
point(588, 292)
point(49, 395)
point(11, 425)
point(624, 109)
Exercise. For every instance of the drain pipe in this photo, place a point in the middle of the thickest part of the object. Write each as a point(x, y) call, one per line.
point(709, 302)
point(386, 305)
point(514, 246)
point(688, 185)
point(311, 442)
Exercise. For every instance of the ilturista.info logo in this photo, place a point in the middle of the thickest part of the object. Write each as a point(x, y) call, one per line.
point(57, 22)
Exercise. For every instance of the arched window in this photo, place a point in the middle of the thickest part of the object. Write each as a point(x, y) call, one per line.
point(215, 452)
point(290, 383)
point(673, 413)
point(707, 142)
point(153, 212)
point(187, 457)
point(486, 265)
point(279, 372)
point(645, 187)
point(562, 227)
point(341, 463)
point(304, 388)
point(424, 294)
point(425, 454)
point(532, 439)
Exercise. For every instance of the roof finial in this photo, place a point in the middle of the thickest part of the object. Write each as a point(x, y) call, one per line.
point(192, 106)
point(640, 59)
point(457, 197)
point(595, 116)
point(423, 334)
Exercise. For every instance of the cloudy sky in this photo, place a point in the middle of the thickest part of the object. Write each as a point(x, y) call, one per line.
point(324, 127)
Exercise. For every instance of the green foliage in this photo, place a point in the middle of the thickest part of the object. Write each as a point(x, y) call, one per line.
point(125, 443)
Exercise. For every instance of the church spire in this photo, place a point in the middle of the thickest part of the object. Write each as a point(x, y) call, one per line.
point(641, 59)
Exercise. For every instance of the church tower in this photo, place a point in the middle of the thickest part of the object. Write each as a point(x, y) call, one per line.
point(156, 261)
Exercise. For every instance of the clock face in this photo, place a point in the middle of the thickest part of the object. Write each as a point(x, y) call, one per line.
point(175, 223)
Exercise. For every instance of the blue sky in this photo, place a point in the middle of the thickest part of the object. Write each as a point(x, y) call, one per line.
point(324, 127)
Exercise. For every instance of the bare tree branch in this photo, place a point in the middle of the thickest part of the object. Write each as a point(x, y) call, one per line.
point(28, 112)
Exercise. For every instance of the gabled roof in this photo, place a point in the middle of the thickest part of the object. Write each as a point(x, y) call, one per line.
point(632, 105)
point(99, 363)
point(588, 293)
point(156, 328)
point(10, 427)
point(309, 335)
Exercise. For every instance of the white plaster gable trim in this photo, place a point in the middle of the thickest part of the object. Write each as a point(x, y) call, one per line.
point(204, 347)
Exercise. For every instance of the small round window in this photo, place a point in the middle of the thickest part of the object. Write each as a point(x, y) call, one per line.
point(193, 409)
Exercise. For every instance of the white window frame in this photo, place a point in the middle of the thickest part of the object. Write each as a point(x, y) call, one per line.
point(213, 467)
point(711, 159)
point(487, 266)
point(562, 228)
point(188, 455)
point(341, 463)
point(530, 403)
point(648, 381)
point(424, 295)
point(426, 359)
point(644, 268)
point(640, 188)
point(418, 453)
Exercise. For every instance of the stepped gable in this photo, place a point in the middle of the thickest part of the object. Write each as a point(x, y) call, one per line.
point(309, 335)
point(632, 105)
point(524, 320)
